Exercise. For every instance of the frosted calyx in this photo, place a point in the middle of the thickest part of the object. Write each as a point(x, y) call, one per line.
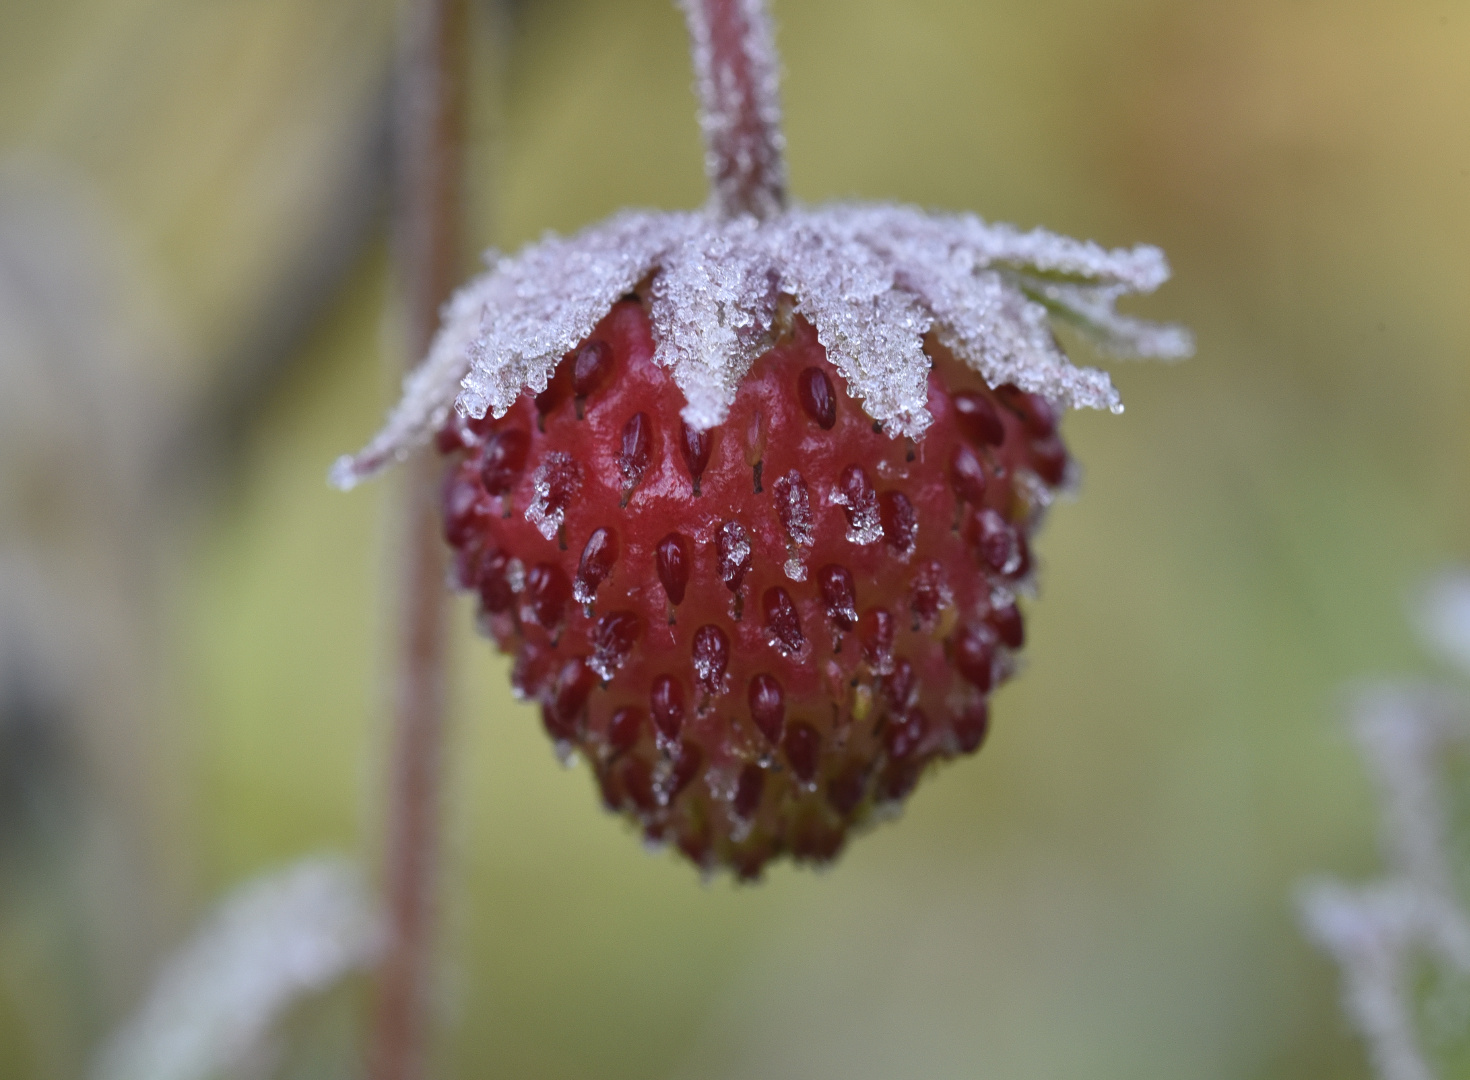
point(873, 279)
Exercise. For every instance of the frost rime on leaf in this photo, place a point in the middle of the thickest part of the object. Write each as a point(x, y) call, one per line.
point(872, 279)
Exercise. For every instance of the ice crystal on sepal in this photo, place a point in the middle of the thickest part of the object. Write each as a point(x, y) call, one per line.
point(873, 279)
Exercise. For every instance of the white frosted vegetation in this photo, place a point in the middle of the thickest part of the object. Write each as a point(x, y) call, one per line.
point(873, 279)
point(1385, 933)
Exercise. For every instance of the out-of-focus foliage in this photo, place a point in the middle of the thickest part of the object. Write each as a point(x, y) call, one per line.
point(1103, 892)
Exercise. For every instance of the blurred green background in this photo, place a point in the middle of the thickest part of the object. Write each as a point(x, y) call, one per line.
point(196, 317)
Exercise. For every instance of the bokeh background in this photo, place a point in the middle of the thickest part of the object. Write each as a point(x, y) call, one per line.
point(196, 317)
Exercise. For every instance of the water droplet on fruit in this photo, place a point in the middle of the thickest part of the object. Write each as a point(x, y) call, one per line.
point(748, 791)
point(672, 559)
point(591, 366)
point(900, 522)
point(545, 596)
point(503, 459)
point(856, 495)
point(974, 655)
point(612, 641)
point(666, 702)
point(597, 562)
point(637, 448)
point(783, 624)
point(767, 706)
point(803, 751)
point(817, 397)
point(696, 447)
point(732, 549)
point(967, 474)
point(838, 596)
point(711, 658)
point(977, 419)
point(558, 480)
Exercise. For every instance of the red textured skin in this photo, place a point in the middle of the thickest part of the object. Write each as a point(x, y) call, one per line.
point(869, 747)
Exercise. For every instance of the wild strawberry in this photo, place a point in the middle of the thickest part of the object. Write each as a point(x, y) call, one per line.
point(750, 492)
point(752, 668)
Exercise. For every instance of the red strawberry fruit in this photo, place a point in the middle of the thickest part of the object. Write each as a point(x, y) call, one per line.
point(758, 633)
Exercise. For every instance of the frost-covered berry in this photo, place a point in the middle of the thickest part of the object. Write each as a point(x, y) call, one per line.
point(750, 491)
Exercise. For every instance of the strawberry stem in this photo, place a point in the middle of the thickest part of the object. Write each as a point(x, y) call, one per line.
point(429, 132)
point(738, 75)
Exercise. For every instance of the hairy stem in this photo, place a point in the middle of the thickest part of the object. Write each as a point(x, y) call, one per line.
point(429, 140)
point(738, 76)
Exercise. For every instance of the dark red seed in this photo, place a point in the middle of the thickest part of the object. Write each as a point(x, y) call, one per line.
point(978, 421)
point(996, 542)
point(974, 655)
point(711, 657)
point(455, 436)
point(748, 791)
point(803, 751)
point(466, 506)
point(558, 389)
point(904, 733)
point(1049, 459)
point(732, 551)
point(839, 596)
point(929, 595)
point(672, 559)
point(559, 729)
point(966, 474)
point(558, 480)
point(783, 624)
point(666, 702)
point(847, 788)
point(696, 447)
point(531, 671)
point(876, 630)
point(1033, 409)
point(496, 594)
point(1008, 624)
point(901, 686)
point(794, 507)
point(859, 501)
point(971, 726)
point(591, 366)
point(597, 562)
point(768, 706)
point(686, 768)
point(637, 448)
point(613, 639)
point(817, 397)
point(569, 694)
point(637, 779)
point(546, 595)
point(900, 521)
point(623, 729)
point(503, 459)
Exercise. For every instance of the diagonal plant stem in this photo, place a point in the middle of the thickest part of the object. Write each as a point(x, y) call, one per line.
point(429, 125)
point(738, 75)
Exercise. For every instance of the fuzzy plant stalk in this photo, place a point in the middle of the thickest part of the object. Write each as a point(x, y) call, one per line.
point(749, 491)
point(429, 132)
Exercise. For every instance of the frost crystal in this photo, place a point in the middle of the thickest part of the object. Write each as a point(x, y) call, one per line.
point(873, 279)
